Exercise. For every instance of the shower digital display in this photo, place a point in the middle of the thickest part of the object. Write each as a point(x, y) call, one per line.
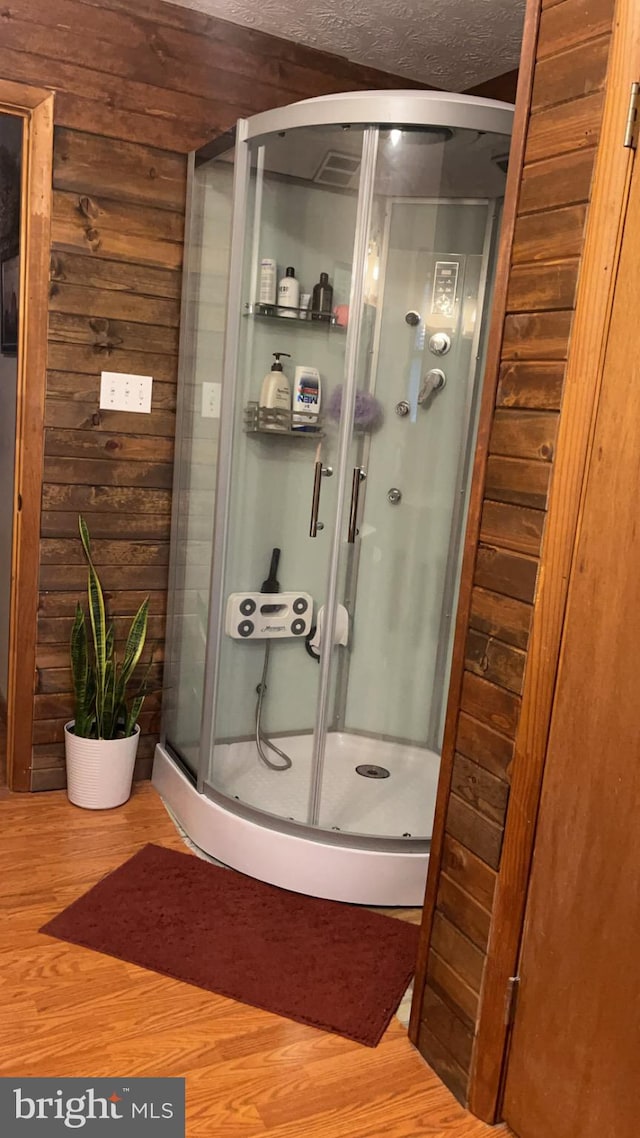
point(445, 284)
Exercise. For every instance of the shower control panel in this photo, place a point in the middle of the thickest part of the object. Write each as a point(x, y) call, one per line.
point(261, 616)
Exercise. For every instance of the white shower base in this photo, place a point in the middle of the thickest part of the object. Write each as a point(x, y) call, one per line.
point(315, 862)
point(398, 806)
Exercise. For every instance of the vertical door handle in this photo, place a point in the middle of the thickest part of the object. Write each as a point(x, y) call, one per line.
point(319, 472)
point(359, 476)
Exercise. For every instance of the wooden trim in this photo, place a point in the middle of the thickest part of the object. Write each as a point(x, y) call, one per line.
point(584, 370)
point(36, 107)
point(490, 384)
point(19, 98)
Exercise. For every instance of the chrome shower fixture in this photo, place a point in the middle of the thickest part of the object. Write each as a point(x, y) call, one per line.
point(434, 380)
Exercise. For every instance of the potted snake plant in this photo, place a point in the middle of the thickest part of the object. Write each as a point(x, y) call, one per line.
point(102, 739)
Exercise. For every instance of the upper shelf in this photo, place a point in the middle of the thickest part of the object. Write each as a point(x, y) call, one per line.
point(302, 316)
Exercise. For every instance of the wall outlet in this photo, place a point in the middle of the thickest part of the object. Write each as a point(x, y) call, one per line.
point(123, 392)
point(211, 396)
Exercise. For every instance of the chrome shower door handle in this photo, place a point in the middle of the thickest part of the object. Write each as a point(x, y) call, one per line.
point(359, 476)
point(318, 473)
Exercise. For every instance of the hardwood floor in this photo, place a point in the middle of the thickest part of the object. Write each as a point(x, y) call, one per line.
point(68, 1011)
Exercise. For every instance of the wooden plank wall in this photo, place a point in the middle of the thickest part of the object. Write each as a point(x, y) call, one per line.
point(567, 99)
point(137, 87)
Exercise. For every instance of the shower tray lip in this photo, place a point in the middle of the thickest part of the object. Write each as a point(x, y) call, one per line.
point(317, 833)
point(385, 871)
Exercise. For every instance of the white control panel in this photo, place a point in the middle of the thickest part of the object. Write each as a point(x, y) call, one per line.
point(211, 397)
point(259, 616)
point(123, 392)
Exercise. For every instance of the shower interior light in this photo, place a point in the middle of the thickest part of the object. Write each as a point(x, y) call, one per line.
point(394, 136)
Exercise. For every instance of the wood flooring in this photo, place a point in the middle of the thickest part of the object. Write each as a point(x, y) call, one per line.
point(69, 1011)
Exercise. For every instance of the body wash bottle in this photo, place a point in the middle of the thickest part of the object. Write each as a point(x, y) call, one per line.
point(289, 294)
point(306, 399)
point(275, 395)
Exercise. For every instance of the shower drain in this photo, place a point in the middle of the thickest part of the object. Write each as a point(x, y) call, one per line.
point(368, 770)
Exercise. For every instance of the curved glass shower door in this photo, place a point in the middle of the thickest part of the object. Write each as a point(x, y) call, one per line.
point(300, 199)
point(418, 371)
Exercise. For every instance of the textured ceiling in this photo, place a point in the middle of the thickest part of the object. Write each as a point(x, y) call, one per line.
point(452, 44)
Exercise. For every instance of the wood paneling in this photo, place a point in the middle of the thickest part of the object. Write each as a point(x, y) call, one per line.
point(475, 786)
point(524, 434)
point(487, 747)
point(170, 81)
point(458, 950)
point(511, 527)
point(541, 287)
point(536, 336)
point(471, 916)
point(461, 866)
point(565, 77)
point(569, 126)
point(452, 988)
point(537, 385)
point(553, 183)
point(120, 170)
point(456, 1037)
point(517, 480)
point(135, 90)
point(572, 22)
point(555, 232)
point(494, 660)
point(501, 616)
point(510, 573)
point(499, 595)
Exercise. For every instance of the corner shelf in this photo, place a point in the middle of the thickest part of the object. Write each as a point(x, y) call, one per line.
point(304, 317)
point(273, 421)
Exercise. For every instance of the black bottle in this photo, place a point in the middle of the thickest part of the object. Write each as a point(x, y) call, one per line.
point(322, 299)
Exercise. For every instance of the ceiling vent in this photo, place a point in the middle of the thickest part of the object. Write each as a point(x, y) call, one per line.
point(337, 169)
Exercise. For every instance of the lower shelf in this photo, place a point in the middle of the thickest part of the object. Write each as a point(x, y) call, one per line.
point(276, 421)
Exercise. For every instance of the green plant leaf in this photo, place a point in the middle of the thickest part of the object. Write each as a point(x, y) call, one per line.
point(133, 715)
point(103, 685)
point(98, 620)
point(81, 674)
point(135, 641)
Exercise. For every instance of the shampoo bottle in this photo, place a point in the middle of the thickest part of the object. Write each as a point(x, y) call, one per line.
point(289, 294)
point(275, 393)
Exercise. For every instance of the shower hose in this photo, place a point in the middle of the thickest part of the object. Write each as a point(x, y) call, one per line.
point(261, 739)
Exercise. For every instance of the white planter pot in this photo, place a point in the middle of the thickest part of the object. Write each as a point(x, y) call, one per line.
point(99, 771)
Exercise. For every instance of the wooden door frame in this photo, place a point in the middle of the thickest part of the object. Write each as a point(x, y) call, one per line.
point(35, 106)
point(603, 239)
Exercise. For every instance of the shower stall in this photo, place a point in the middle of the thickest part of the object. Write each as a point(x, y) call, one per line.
point(304, 707)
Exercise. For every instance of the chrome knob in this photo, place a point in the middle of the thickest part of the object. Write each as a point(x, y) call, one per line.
point(394, 495)
point(403, 408)
point(439, 343)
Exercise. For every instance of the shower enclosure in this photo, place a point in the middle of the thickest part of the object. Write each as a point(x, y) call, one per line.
point(303, 714)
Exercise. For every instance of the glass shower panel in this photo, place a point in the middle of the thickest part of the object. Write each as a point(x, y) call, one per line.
point(429, 254)
point(302, 203)
point(201, 352)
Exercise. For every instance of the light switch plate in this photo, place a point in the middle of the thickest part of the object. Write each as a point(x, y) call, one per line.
point(211, 396)
point(120, 391)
